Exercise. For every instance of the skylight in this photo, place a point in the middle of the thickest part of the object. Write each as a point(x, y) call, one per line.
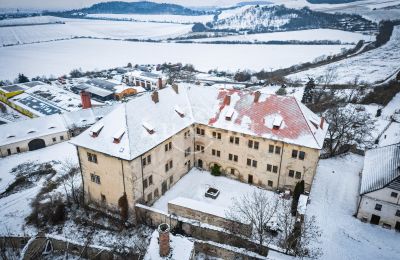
point(277, 122)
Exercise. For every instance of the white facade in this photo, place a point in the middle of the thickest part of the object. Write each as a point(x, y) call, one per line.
point(381, 207)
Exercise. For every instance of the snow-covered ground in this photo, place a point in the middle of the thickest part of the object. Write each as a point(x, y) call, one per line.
point(194, 185)
point(181, 247)
point(61, 57)
point(157, 18)
point(90, 28)
point(302, 35)
point(372, 66)
point(334, 201)
point(16, 207)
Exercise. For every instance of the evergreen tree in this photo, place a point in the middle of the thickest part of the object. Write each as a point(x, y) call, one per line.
point(298, 190)
point(22, 78)
point(308, 92)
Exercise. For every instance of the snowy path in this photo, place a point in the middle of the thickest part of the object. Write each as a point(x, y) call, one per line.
point(334, 201)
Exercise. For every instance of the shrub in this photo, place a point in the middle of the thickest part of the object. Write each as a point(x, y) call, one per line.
point(123, 205)
point(298, 190)
point(281, 91)
point(216, 170)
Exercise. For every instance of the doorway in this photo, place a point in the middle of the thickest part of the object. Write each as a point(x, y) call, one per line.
point(164, 187)
point(250, 179)
point(188, 165)
point(397, 226)
point(200, 163)
point(36, 144)
point(375, 219)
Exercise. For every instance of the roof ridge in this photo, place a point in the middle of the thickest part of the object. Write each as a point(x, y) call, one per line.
point(302, 112)
point(127, 131)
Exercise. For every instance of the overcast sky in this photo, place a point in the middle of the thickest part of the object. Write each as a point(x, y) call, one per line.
point(73, 4)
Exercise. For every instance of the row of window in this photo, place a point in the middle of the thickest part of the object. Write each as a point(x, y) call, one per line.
point(294, 174)
point(9, 150)
point(168, 165)
point(55, 138)
point(148, 181)
point(378, 207)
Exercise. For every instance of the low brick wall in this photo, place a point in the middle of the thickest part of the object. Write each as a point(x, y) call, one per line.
point(244, 229)
point(152, 217)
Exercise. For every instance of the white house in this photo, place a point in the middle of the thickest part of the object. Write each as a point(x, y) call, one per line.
point(147, 80)
point(380, 187)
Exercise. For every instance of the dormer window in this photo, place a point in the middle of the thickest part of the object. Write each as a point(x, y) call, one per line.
point(118, 136)
point(96, 130)
point(31, 131)
point(276, 124)
point(52, 127)
point(148, 127)
point(229, 114)
point(11, 136)
point(179, 111)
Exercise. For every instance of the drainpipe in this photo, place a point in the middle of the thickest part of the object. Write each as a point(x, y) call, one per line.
point(280, 163)
point(80, 166)
point(123, 174)
point(141, 167)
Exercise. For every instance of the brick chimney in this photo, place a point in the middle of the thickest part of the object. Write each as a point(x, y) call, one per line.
point(227, 100)
point(176, 88)
point(257, 95)
point(85, 99)
point(163, 232)
point(321, 124)
point(154, 97)
point(160, 83)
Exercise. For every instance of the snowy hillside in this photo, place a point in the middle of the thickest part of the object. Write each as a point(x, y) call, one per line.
point(372, 66)
point(156, 18)
point(276, 18)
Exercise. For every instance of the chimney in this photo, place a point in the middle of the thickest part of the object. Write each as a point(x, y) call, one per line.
point(257, 95)
point(176, 88)
point(163, 232)
point(160, 83)
point(227, 100)
point(85, 99)
point(154, 97)
point(321, 124)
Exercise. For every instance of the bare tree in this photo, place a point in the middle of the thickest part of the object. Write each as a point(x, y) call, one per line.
point(347, 126)
point(305, 238)
point(286, 223)
point(258, 209)
point(71, 181)
point(325, 80)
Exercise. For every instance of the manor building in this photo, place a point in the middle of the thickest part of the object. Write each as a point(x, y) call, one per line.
point(145, 146)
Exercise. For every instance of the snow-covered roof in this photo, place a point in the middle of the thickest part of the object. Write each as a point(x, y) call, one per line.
point(381, 167)
point(203, 105)
point(144, 75)
point(47, 125)
point(302, 205)
point(31, 129)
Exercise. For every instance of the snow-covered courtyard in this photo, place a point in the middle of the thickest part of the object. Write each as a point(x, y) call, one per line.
point(334, 202)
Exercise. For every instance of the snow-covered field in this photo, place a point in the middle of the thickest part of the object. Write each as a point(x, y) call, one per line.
point(90, 28)
point(303, 35)
point(372, 66)
point(334, 201)
point(157, 18)
point(30, 20)
point(61, 57)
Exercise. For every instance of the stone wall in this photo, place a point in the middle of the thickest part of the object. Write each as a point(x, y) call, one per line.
point(214, 250)
point(152, 217)
point(244, 229)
